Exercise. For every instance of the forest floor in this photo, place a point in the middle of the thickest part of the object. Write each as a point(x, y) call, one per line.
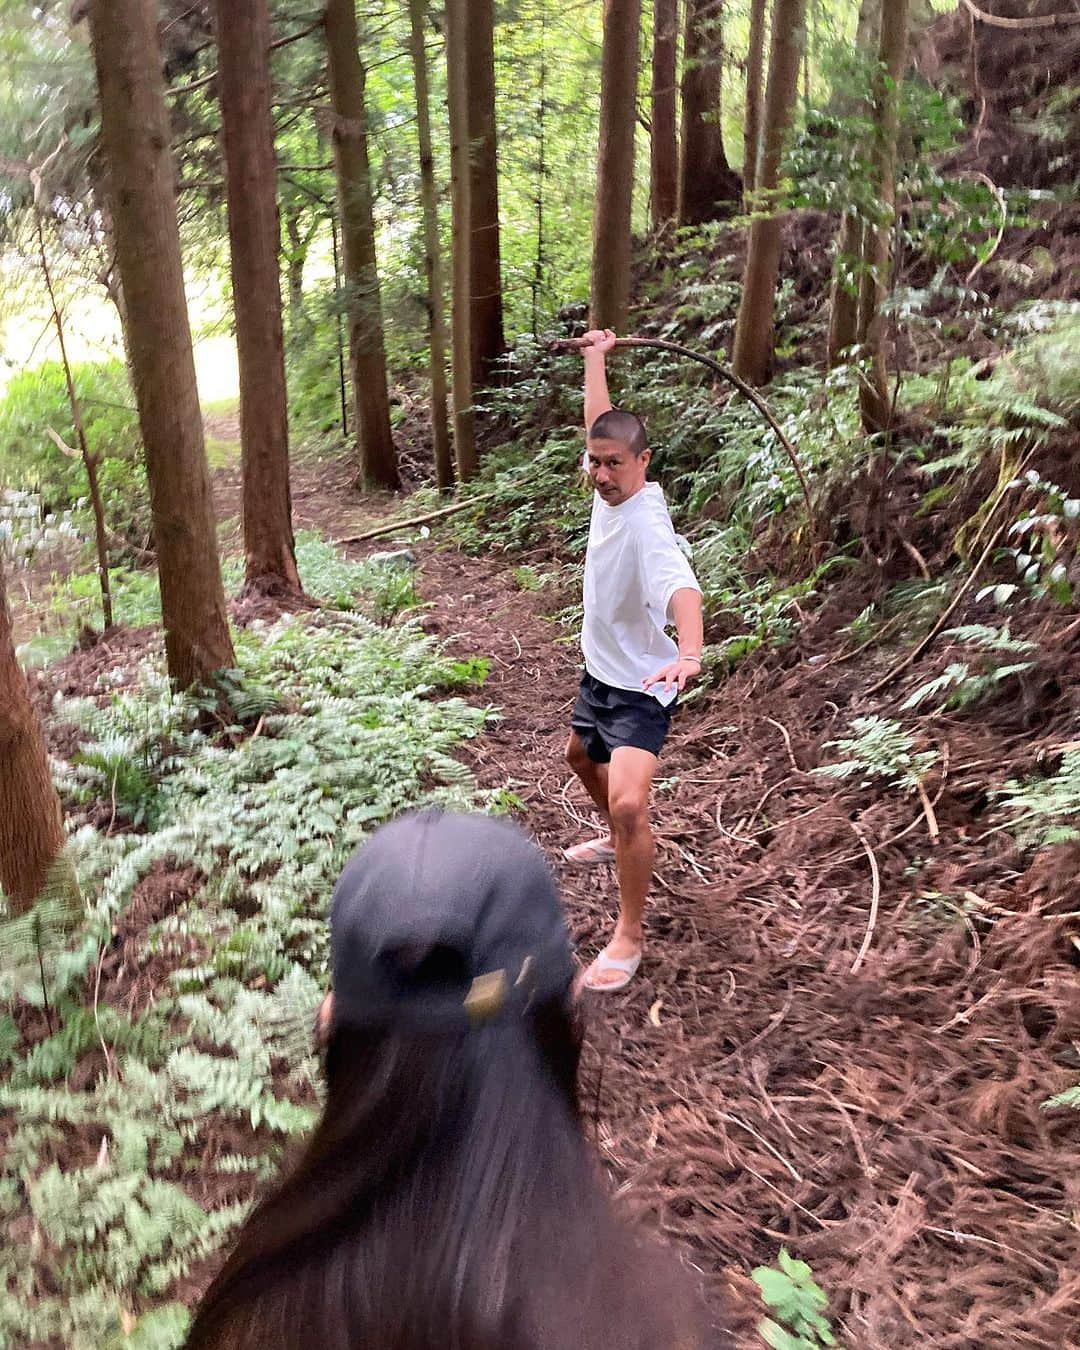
point(844, 1030)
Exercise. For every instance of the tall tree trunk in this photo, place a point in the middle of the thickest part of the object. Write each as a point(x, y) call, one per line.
point(874, 399)
point(31, 828)
point(664, 146)
point(540, 258)
point(295, 259)
point(136, 140)
point(243, 41)
point(844, 290)
point(707, 185)
point(615, 164)
point(845, 329)
point(367, 353)
point(755, 62)
point(868, 27)
point(754, 330)
point(486, 326)
point(457, 31)
point(440, 431)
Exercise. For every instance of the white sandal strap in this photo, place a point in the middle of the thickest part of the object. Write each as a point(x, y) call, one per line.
point(626, 964)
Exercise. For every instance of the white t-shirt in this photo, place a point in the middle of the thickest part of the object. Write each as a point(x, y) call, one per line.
point(633, 566)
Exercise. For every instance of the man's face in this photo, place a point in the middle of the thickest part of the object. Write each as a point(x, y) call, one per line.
point(616, 473)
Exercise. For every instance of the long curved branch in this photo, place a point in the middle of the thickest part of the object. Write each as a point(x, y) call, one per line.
point(725, 373)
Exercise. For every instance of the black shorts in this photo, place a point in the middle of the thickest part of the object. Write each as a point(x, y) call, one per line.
point(606, 718)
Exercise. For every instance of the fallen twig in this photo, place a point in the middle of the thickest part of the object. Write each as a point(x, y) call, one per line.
point(928, 812)
point(787, 741)
point(874, 899)
point(407, 524)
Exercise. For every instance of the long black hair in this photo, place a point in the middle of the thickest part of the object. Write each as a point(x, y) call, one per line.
point(447, 1200)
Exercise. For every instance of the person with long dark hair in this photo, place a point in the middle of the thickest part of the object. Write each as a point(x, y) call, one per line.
point(447, 1199)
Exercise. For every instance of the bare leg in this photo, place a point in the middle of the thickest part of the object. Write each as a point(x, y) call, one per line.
point(629, 782)
point(594, 777)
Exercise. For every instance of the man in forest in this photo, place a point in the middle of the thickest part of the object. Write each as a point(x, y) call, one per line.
point(637, 582)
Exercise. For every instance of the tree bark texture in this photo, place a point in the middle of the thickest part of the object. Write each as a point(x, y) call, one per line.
point(753, 353)
point(874, 401)
point(707, 185)
point(367, 352)
point(755, 75)
point(868, 26)
point(31, 828)
point(243, 41)
point(440, 431)
point(663, 141)
point(457, 30)
point(486, 326)
point(844, 294)
point(846, 285)
point(615, 164)
point(136, 140)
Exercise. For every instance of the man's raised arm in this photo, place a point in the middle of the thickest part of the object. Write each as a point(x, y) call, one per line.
point(597, 399)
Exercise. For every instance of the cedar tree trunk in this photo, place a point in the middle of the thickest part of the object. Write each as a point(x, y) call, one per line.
point(31, 829)
point(440, 431)
point(615, 164)
point(486, 322)
point(367, 354)
point(752, 357)
point(663, 143)
point(457, 30)
point(755, 63)
point(135, 137)
point(243, 39)
point(707, 185)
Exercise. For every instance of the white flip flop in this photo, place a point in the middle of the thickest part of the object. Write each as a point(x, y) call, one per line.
point(591, 853)
point(626, 965)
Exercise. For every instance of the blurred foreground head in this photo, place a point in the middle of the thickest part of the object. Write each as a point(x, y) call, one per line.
point(447, 1199)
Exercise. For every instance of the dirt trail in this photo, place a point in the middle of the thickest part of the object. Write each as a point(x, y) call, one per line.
point(750, 1090)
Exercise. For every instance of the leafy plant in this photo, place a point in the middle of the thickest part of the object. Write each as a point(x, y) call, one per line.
point(1045, 561)
point(880, 748)
point(962, 685)
point(36, 400)
point(347, 734)
point(797, 1303)
point(1046, 810)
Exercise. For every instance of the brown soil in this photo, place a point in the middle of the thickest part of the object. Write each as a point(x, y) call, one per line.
point(751, 1090)
point(844, 1032)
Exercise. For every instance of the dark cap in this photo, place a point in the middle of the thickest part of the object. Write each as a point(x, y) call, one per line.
point(442, 921)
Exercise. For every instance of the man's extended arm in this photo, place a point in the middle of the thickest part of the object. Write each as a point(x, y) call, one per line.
point(690, 630)
point(597, 399)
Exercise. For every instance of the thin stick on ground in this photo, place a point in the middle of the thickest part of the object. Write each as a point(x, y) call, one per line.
point(928, 812)
point(787, 742)
point(407, 524)
point(874, 900)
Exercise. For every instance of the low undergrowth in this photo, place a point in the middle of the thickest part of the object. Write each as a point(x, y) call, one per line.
point(155, 1048)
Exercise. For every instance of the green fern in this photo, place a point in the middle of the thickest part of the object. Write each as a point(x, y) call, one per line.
point(1046, 810)
point(342, 732)
point(880, 748)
